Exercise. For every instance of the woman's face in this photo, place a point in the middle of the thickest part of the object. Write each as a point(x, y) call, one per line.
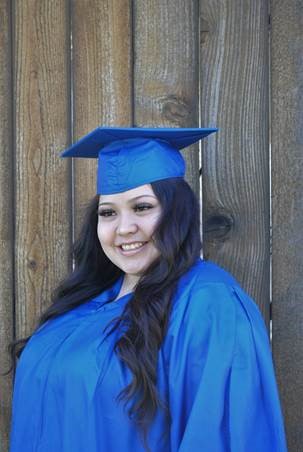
point(126, 222)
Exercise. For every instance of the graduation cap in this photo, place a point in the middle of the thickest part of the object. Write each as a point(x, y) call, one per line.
point(129, 157)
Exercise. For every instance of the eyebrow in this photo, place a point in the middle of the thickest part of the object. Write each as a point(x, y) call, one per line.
point(129, 201)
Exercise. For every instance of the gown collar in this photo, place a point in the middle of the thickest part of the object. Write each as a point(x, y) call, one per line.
point(108, 295)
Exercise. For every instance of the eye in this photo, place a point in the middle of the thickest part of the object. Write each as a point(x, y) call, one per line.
point(142, 207)
point(106, 212)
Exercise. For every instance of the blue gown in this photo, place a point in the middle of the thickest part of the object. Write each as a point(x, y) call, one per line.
point(215, 370)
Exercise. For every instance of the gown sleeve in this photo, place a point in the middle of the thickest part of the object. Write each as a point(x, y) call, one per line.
point(223, 394)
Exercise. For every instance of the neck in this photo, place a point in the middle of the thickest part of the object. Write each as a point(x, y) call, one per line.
point(129, 283)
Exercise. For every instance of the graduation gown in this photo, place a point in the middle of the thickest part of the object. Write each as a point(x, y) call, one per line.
point(215, 371)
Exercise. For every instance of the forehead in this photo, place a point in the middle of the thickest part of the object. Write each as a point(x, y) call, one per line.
point(142, 190)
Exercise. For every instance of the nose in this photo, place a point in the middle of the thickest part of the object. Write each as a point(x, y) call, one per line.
point(126, 225)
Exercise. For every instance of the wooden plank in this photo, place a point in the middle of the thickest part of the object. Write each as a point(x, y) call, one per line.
point(287, 207)
point(41, 39)
point(234, 96)
point(6, 221)
point(102, 79)
point(166, 82)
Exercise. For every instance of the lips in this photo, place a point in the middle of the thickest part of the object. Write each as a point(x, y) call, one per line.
point(131, 248)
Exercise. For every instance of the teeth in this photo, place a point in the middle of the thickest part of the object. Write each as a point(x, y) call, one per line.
point(132, 246)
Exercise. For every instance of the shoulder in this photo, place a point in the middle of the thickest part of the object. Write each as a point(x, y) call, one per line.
point(209, 291)
point(203, 278)
point(206, 272)
point(212, 312)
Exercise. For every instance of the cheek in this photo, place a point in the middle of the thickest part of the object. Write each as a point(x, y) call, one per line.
point(105, 234)
point(152, 224)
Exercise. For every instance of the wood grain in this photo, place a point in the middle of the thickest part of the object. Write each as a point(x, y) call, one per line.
point(166, 83)
point(234, 97)
point(43, 233)
point(102, 80)
point(6, 222)
point(287, 207)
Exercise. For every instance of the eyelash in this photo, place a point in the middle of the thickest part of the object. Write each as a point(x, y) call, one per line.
point(137, 208)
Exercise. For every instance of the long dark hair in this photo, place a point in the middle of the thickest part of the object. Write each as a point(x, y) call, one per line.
point(146, 315)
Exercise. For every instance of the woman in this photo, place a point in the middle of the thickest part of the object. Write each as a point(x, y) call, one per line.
point(146, 346)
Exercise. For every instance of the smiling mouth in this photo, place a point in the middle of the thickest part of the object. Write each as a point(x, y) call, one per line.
point(132, 246)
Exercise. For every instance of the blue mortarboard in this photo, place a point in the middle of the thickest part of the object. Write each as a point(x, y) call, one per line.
point(129, 157)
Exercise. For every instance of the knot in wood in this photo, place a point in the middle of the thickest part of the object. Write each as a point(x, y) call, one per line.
point(32, 264)
point(175, 109)
point(218, 225)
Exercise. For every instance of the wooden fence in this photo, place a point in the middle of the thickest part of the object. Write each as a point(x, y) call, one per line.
point(68, 66)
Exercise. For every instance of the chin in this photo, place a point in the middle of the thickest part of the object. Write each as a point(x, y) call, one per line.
point(135, 266)
point(133, 270)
